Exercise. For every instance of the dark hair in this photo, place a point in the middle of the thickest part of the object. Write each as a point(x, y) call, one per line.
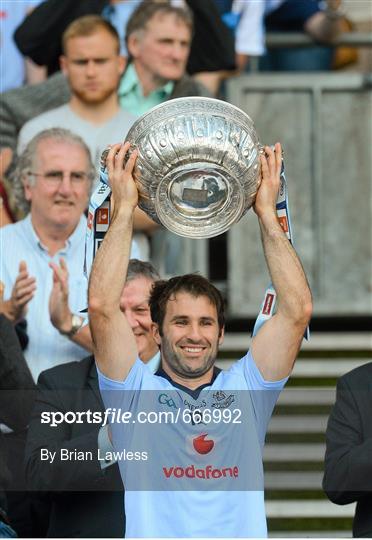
point(137, 268)
point(193, 284)
point(148, 9)
point(87, 26)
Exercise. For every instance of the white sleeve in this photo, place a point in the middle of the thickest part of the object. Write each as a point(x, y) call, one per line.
point(250, 33)
point(263, 394)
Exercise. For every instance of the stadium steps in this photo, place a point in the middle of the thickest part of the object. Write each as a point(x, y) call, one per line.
point(295, 444)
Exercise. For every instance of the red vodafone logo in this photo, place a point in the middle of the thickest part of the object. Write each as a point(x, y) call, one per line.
point(201, 445)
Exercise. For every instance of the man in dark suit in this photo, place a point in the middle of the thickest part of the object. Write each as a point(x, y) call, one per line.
point(27, 514)
point(86, 500)
point(348, 459)
point(86, 494)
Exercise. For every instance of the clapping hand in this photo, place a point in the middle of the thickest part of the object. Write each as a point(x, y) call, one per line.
point(23, 291)
point(59, 311)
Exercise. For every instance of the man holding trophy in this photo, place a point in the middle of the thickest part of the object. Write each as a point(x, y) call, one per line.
point(199, 474)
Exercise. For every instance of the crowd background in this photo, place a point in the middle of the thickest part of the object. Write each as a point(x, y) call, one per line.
point(227, 42)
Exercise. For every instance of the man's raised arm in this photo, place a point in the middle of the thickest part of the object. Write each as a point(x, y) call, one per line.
point(276, 345)
point(114, 344)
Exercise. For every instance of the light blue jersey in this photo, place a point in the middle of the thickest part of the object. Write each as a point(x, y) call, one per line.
point(191, 461)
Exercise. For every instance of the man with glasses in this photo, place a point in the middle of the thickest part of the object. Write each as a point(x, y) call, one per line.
point(52, 182)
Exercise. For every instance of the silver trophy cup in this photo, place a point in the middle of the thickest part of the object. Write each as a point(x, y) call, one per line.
point(198, 166)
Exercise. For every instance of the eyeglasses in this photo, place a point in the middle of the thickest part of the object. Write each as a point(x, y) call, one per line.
point(56, 177)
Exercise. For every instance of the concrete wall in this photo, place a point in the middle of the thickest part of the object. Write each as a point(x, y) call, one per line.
point(324, 122)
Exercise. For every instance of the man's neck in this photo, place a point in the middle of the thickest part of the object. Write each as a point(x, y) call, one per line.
point(93, 112)
point(52, 238)
point(148, 82)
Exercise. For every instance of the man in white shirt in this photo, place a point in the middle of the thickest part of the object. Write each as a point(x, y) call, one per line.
point(53, 179)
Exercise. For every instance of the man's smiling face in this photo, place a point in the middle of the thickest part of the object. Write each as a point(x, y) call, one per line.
point(190, 336)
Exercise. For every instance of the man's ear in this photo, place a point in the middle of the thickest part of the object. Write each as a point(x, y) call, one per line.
point(63, 64)
point(155, 333)
point(27, 188)
point(122, 64)
point(133, 43)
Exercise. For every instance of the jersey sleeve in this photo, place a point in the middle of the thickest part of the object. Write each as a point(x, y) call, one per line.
point(132, 381)
point(263, 394)
point(122, 400)
point(124, 394)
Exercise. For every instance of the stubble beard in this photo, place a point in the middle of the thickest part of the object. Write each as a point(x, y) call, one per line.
point(179, 367)
point(93, 99)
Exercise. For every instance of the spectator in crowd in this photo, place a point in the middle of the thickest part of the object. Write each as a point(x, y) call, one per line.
point(212, 50)
point(17, 106)
point(188, 325)
point(251, 20)
point(52, 179)
point(246, 20)
point(158, 39)
point(133, 303)
point(348, 463)
point(17, 394)
point(323, 24)
point(20, 105)
point(15, 69)
point(93, 67)
point(86, 496)
point(142, 86)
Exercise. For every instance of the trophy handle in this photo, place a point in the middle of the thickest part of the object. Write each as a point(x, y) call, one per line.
point(103, 158)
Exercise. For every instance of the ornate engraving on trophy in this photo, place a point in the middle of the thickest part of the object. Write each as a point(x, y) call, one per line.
point(198, 167)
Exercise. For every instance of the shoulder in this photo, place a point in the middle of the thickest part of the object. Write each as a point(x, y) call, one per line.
point(13, 232)
point(54, 87)
point(126, 117)
point(116, 128)
point(57, 117)
point(49, 116)
point(360, 376)
point(70, 375)
point(21, 104)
